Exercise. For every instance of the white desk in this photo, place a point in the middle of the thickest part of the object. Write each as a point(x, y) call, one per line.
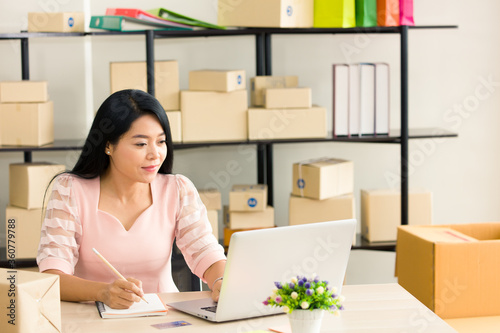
point(369, 308)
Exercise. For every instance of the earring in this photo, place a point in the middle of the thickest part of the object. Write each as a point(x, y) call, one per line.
point(108, 152)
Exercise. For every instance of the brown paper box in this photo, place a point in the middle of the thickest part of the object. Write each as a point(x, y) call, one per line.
point(30, 300)
point(381, 212)
point(24, 91)
point(323, 178)
point(27, 124)
point(28, 183)
point(175, 121)
point(217, 80)
point(266, 13)
point(250, 198)
point(133, 75)
point(211, 198)
point(23, 231)
point(259, 83)
point(213, 217)
point(276, 98)
point(229, 232)
point(306, 210)
point(244, 220)
point(452, 269)
point(56, 22)
point(214, 116)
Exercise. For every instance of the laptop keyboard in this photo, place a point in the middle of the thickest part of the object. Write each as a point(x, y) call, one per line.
point(210, 308)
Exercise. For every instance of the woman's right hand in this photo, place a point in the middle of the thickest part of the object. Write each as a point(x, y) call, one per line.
point(122, 294)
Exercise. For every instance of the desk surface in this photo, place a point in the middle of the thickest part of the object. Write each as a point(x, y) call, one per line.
point(369, 308)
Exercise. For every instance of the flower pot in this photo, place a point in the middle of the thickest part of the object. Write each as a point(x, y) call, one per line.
point(306, 321)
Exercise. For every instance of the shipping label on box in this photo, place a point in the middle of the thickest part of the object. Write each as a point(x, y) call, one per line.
point(214, 116)
point(244, 220)
point(213, 218)
point(133, 75)
point(452, 269)
point(30, 302)
point(23, 231)
point(27, 124)
point(306, 210)
point(248, 198)
point(266, 13)
point(24, 91)
point(175, 121)
point(275, 98)
point(271, 124)
point(211, 198)
point(381, 212)
point(323, 178)
point(56, 22)
point(259, 83)
point(217, 80)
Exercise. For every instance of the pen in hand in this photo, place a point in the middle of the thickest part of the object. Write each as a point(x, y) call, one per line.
point(113, 269)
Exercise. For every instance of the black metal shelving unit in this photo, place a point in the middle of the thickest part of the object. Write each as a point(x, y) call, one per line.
point(263, 49)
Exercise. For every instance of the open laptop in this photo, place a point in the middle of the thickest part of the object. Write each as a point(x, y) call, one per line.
point(257, 258)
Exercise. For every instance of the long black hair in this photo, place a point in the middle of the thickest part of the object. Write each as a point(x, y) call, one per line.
point(114, 117)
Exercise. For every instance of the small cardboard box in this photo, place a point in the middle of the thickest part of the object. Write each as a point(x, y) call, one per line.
point(306, 210)
point(214, 116)
point(276, 98)
point(266, 13)
point(23, 231)
point(452, 269)
point(175, 121)
point(24, 91)
point(381, 212)
point(133, 75)
point(27, 124)
point(213, 217)
point(323, 178)
point(245, 220)
point(211, 198)
point(56, 22)
point(217, 80)
point(30, 302)
point(28, 183)
point(259, 83)
point(270, 124)
point(229, 232)
point(243, 198)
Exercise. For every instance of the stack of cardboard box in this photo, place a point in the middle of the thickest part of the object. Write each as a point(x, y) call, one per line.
point(28, 186)
point(133, 75)
point(283, 110)
point(211, 198)
point(215, 106)
point(26, 113)
point(247, 210)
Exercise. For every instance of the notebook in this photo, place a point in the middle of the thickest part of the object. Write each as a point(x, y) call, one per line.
point(257, 258)
point(140, 309)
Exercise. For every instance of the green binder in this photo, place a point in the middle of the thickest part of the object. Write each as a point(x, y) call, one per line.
point(179, 18)
point(366, 13)
point(125, 23)
point(334, 14)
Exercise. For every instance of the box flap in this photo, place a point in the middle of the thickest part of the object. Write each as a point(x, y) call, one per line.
point(439, 234)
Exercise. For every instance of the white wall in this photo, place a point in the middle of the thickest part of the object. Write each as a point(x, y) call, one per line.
point(447, 70)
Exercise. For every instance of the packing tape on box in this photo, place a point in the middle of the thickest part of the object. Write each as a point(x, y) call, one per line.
point(311, 161)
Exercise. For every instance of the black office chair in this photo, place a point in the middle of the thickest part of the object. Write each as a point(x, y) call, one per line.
point(183, 278)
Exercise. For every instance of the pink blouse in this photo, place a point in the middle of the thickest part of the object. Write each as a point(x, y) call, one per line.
point(74, 225)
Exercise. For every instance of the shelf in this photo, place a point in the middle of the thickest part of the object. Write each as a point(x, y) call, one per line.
point(363, 244)
point(57, 145)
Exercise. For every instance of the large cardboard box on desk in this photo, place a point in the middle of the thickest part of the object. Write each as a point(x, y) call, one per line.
point(306, 210)
point(211, 198)
point(25, 91)
point(323, 178)
point(269, 124)
point(56, 22)
point(452, 269)
point(245, 220)
point(259, 83)
point(266, 13)
point(285, 98)
point(214, 116)
point(249, 198)
point(133, 75)
point(175, 121)
point(30, 302)
point(27, 124)
point(23, 230)
point(381, 212)
point(217, 80)
point(28, 183)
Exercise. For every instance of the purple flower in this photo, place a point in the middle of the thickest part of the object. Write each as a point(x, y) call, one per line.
point(278, 285)
point(316, 279)
point(291, 285)
point(341, 307)
point(309, 292)
point(334, 296)
point(304, 279)
point(301, 283)
point(278, 299)
point(307, 285)
point(265, 302)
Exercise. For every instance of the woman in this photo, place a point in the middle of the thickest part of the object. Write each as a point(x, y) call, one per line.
point(122, 200)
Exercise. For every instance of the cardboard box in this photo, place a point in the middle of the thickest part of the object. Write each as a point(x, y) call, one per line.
point(27, 124)
point(23, 230)
point(452, 269)
point(56, 22)
point(259, 83)
point(244, 220)
point(30, 302)
point(24, 91)
point(133, 75)
point(213, 217)
point(175, 121)
point(229, 232)
point(28, 183)
point(250, 198)
point(275, 98)
point(381, 212)
point(270, 124)
point(323, 178)
point(211, 198)
point(306, 210)
point(214, 116)
point(217, 80)
point(266, 13)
